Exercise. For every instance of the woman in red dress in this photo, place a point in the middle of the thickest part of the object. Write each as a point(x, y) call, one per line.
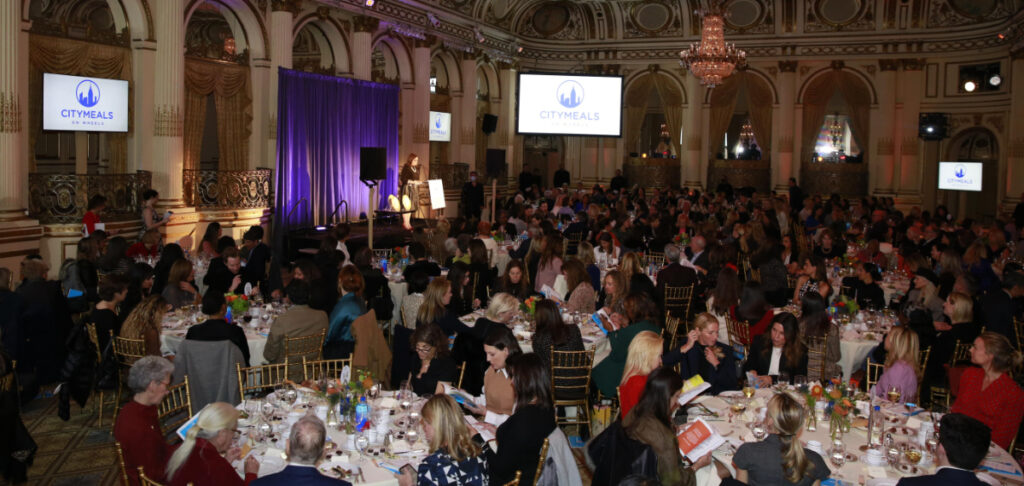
point(206, 455)
point(644, 356)
point(988, 393)
point(138, 428)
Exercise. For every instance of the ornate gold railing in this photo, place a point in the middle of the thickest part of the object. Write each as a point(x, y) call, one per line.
point(741, 173)
point(454, 175)
point(228, 189)
point(842, 178)
point(63, 198)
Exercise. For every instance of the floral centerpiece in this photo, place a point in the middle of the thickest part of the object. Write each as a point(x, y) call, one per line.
point(341, 397)
point(529, 306)
point(844, 307)
point(498, 236)
point(239, 303)
point(396, 257)
point(681, 238)
point(838, 406)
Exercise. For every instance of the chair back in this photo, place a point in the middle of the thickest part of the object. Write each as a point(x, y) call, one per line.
point(462, 373)
point(90, 329)
point(656, 257)
point(817, 347)
point(259, 379)
point(176, 407)
point(570, 374)
point(1018, 331)
point(874, 372)
point(146, 481)
point(324, 368)
point(121, 465)
point(671, 329)
point(961, 353)
point(541, 460)
point(296, 349)
point(515, 482)
point(678, 300)
point(572, 241)
point(128, 351)
point(739, 334)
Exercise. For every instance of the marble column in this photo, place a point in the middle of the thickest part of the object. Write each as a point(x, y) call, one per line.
point(140, 140)
point(465, 151)
point(260, 72)
point(911, 87)
point(782, 159)
point(693, 132)
point(882, 163)
point(13, 119)
point(169, 102)
point(505, 109)
point(362, 46)
point(1015, 152)
point(282, 18)
point(420, 114)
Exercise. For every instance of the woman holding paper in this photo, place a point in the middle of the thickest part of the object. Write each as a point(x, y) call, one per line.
point(205, 456)
point(703, 355)
point(498, 398)
point(454, 457)
point(151, 219)
point(781, 458)
point(640, 315)
point(650, 422)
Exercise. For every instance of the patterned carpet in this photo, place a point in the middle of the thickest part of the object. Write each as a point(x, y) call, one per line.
point(76, 452)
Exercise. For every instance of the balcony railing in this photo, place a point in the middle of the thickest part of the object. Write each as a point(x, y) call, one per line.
point(63, 198)
point(228, 189)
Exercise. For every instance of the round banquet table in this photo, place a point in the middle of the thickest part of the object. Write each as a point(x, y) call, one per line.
point(175, 326)
point(857, 338)
point(593, 338)
point(735, 429)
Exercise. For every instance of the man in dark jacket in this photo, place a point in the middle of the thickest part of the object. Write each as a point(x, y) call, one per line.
point(618, 182)
point(226, 278)
point(674, 275)
point(472, 198)
point(47, 322)
point(255, 271)
point(998, 307)
point(561, 177)
point(216, 328)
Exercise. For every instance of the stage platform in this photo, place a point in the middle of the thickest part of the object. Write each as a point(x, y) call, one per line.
point(385, 235)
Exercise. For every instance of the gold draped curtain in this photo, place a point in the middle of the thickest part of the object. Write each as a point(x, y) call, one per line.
point(759, 105)
point(672, 99)
point(72, 57)
point(232, 93)
point(636, 107)
point(858, 101)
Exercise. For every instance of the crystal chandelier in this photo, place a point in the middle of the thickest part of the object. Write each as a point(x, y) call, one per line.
point(835, 131)
point(746, 134)
point(712, 59)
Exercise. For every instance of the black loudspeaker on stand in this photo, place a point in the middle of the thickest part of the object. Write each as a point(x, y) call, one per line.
point(490, 123)
point(373, 163)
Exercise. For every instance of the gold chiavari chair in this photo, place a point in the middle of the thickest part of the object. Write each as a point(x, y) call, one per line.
point(324, 368)
point(656, 257)
point(939, 395)
point(572, 240)
point(515, 482)
point(671, 329)
point(570, 383)
point(542, 459)
point(961, 353)
point(678, 299)
point(874, 372)
point(923, 363)
point(1018, 331)
point(101, 403)
point(126, 353)
point(297, 349)
point(257, 378)
point(817, 363)
point(120, 462)
point(462, 374)
point(739, 335)
point(176, 407)
point(146, 481)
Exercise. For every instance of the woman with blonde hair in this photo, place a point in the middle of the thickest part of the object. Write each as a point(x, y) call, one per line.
point(144, 323)
point(613, 295)
point(632, 269)
point(781, 458)
point(902, 365)
point(988, 392)
point(435, 308)
point(470, 347)
point(454, 457)
point(643, 357)
point(179, 290)
point(703, 355)
point(205, 457)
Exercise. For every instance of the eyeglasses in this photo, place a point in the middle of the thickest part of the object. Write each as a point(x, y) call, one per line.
point(424, 349)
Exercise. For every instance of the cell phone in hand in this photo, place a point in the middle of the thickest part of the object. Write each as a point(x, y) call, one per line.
point(407, 469)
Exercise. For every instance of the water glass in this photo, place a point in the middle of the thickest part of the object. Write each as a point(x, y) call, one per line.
point(838, 455)
point(758, 430)
point(362, 442)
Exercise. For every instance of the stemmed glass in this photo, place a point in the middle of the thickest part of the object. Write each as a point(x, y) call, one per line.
point(838, 456)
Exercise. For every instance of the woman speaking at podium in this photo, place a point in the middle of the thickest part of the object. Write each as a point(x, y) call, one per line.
point(408, 192)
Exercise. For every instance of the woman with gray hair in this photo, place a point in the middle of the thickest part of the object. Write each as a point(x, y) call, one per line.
point(138, 427)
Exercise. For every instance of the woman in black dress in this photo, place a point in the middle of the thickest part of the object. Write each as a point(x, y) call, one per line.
point(410, 172)
point(432, 363)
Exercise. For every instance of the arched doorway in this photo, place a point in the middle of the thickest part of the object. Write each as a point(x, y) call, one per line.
point(974, 145)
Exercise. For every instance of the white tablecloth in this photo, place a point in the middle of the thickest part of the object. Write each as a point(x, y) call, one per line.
point(174, 327)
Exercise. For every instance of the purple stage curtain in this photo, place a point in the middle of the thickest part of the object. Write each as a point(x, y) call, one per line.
point(322, 121)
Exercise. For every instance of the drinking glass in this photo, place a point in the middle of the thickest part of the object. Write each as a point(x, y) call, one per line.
point(362, 443)
point(913, 454)
point(838, 456)
point(758, 430)
point(783, 378)
point(894, 394)
point(800, 380)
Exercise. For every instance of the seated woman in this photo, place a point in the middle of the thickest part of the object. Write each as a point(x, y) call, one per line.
point(644, 356)
point(112, 291)
point(778, 351)
point(340, 342)
point(632, 269)
point(581, 296)
point(650, 422)
point(147, 247)
point(454, 457)
point(613, 295)
point(179, 290)
point(830, 246)
point(585, 254)
point(431, 363)
point(553, 333)
point(205, 457)
point(704, 355)
point(753, 309)
point(781, 458)
point(520, 438)
point(902, 370)
point(550, 263)
point(137, 428)
point(436, 308)
point(481, 274)
point(144, 323)
point(498, 400)
point(959, 309)
point(815, 323)
point(869, 294)
point(768, 262)
point(812, 277)
point(723, 298)
point(469, 347)
point(988, 392)
point(640, 315)
point(462, 301)
point(516, 281)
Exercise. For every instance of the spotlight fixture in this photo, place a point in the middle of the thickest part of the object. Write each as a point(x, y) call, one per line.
point(479, 35)
point(970, 86)
point(436, 22)
point(369, 3)
point(995, 80)
point(929, 129)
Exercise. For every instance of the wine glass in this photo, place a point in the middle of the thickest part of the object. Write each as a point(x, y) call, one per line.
point(748, 391)
point(800, 380)
point(362, 443)
point(268, 410)
point(894, 394)
point(838, 456)
point(913, 454)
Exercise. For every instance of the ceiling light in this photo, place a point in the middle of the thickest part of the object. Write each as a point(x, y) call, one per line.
point(995, 80)
point(969, 86)
point(369, 3)
point(712, 59)
point(929, 129)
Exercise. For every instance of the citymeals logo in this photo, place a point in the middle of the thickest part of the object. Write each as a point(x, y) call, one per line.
point(437, 122)
point(960, 176)
point(960, 172)
point(569, 95)
point(87, 93)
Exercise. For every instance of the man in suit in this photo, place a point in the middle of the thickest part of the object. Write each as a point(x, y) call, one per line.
point(699, 257)
point(255, 271)
point(215, 328)
point(304, 449)
point(226, 278)
point(472, 198)
point(420, 263)
point(674, 275)
point(963, 444)
point(998, 307)
point(300, 320)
